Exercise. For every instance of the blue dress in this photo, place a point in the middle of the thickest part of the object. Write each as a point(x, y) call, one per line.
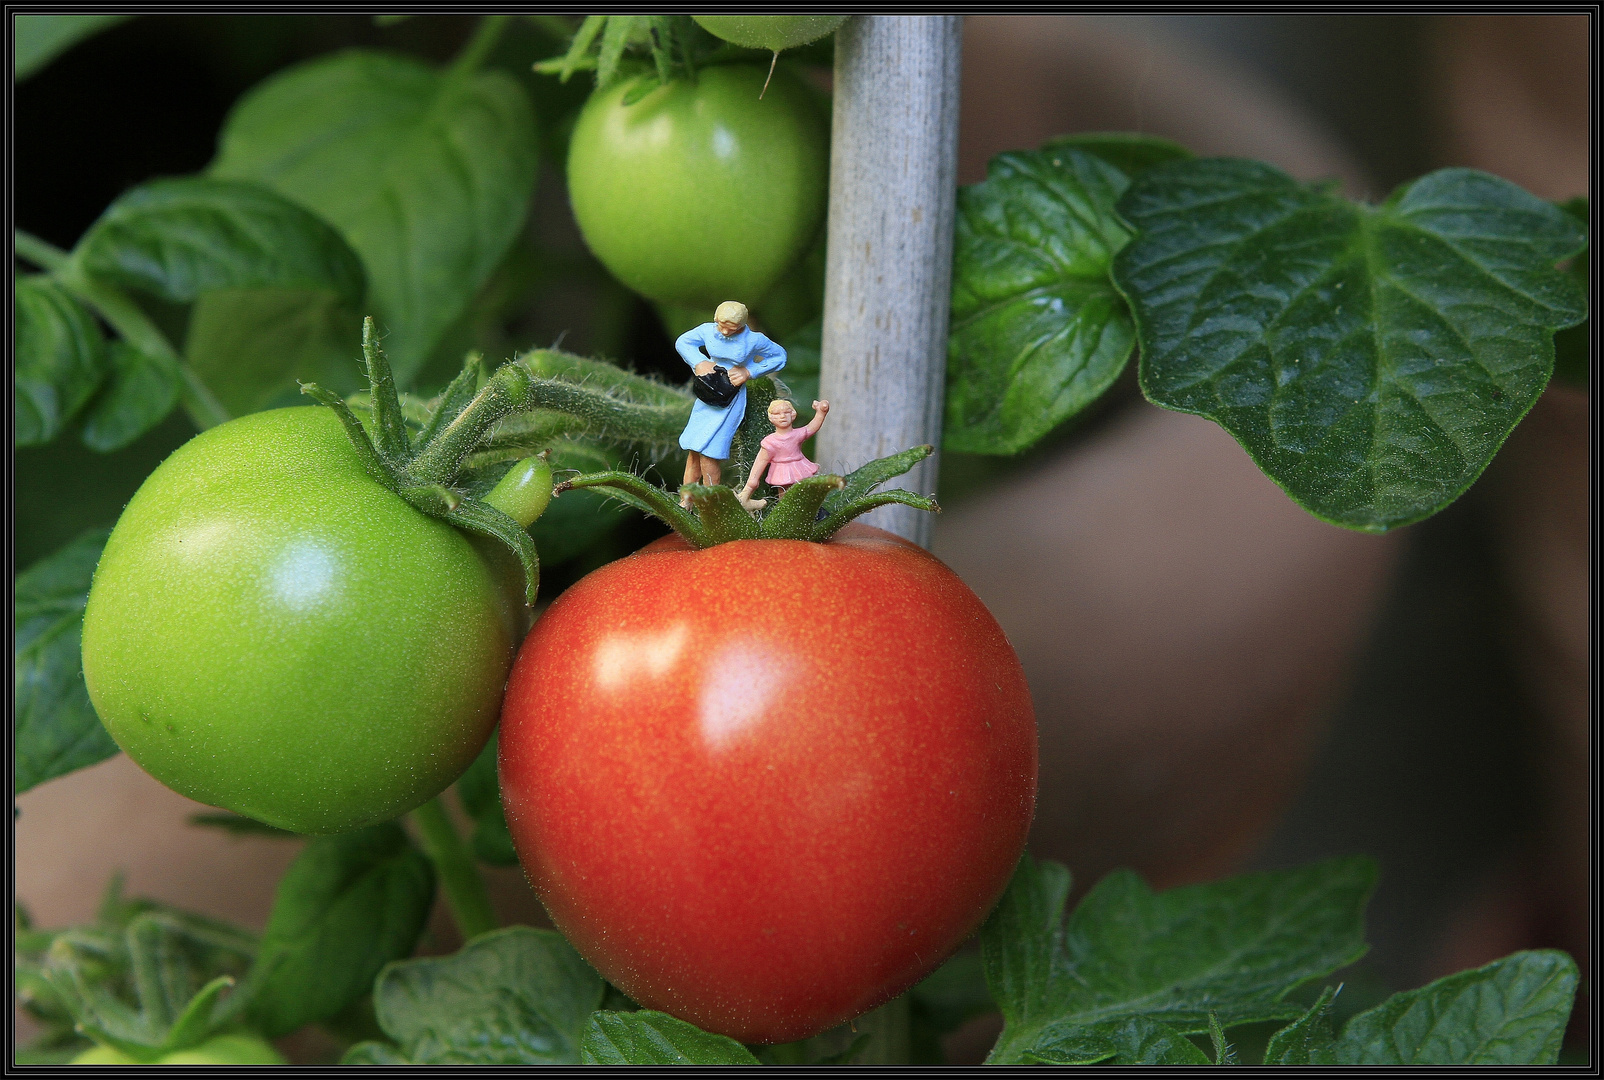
point(712, 428)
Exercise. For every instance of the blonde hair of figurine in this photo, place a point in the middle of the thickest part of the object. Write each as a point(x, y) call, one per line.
point(732, 311)
point(787, 402)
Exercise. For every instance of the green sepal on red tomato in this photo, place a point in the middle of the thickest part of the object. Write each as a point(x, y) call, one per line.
point(768, 785)
point(699, 192)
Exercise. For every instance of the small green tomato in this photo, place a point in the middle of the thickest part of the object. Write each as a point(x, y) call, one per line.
point(698, 192)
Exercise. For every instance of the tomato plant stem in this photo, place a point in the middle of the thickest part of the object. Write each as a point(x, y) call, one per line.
point(459, 877)
point(41, 253)
point(124, 316)
point(486, 36)
point(513, 389)
point(888, 1025)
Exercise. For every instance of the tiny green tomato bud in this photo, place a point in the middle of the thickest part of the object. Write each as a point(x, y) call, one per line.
point(524, 492)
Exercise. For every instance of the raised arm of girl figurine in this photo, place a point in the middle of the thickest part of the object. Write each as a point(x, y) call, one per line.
point(782, 451)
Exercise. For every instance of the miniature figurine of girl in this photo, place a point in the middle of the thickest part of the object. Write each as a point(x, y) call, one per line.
point(782, 451)
point(746, 354)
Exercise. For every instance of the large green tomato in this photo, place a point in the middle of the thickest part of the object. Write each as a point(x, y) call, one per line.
point(272, 631)
point(235, 1049)
point(699, 192)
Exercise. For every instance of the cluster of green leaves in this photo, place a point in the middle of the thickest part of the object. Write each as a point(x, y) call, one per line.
point(1370, 359)
point(149, 979)
point(1132, 974)
point(1130, 977)
point(357, 182)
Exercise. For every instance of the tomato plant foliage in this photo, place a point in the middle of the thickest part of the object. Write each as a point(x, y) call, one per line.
point(1371, 359)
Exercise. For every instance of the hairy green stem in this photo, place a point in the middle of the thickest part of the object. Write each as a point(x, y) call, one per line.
point(486, 36)
point(514, 389)
point(460, 879)
point(889, 1025)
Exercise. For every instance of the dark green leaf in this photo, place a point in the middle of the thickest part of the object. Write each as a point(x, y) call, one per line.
point(428, 176)
point(1038, 331)
point(57, 729)
point(1128, 152)
point(41, 38)
point(1572, 346)
point(654, 1038)
point(61, 358)
point(1234, 948)
point(1511, 1012)
point(253, 347)
point(1136, 1040)
point(1308, 1040)
point(516, 996)
point(347, 906)
point(1370, 359)
point(481, 797)
point(142, 390)
point(179, 238)
point(1022, 945)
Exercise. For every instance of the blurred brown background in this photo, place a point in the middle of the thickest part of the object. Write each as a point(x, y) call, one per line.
point(1221, 680)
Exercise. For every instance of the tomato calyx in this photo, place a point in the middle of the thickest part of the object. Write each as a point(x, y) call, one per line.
point(425, 468)
point(389, 458)
point(656, 49)
point(813, 509)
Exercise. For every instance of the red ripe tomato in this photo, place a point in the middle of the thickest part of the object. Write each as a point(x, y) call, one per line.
point(769, 785)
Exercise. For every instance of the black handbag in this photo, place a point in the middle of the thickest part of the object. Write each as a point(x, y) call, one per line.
point(714, 388)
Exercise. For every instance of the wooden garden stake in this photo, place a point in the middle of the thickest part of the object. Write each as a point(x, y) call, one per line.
point(888, 269)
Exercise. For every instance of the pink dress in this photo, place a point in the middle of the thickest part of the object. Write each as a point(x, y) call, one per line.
point(786, 463)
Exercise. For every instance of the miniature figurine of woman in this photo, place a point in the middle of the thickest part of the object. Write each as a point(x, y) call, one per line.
point(782, 451)
point(744, 353)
